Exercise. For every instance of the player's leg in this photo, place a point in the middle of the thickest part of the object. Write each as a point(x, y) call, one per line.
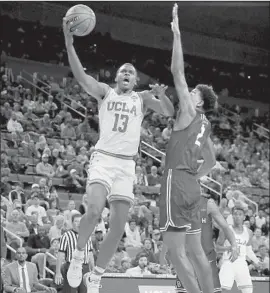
point(226, 275)
point(176, 244)
point(215, 276)
point(242, 277)
point(98, 187)
point(199, 260)
point(120, 199)
point(118, 218)
point(97, 194)
point(96, 198)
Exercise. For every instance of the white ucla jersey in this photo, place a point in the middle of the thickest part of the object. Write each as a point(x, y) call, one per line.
point(120, 119)
point(242, 241)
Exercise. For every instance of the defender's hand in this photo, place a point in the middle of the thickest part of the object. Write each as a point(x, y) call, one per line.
point(68, 35)
point(175, 21)
point(234, 253)
point(157, 89)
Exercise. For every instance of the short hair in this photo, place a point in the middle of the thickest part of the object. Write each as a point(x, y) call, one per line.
point(238, 208)
point(128, 64)
point(132, 220)
point(75, 216)
point(147, 239)
point(209, 97)
point(142, 254)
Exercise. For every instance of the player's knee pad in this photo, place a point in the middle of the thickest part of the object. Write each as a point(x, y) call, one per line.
point(247, 290)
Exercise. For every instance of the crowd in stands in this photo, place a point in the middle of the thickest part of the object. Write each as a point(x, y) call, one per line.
point(46, 144)
point(31, 40)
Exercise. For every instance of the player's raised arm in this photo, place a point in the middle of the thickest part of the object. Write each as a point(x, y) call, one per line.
point(94, 88)
point(213, 210)
point(178, 70)
point(162, 105)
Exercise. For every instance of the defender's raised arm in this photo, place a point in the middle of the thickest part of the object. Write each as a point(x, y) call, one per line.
point(177, 67)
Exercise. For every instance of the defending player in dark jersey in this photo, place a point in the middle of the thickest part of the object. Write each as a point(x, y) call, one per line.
point(209, 212)
point(180, 189)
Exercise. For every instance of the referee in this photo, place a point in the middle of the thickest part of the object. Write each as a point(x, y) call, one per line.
point(68, 243)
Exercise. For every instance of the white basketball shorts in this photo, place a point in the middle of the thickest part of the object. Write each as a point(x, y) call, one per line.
point(117, 175)
point(237, 271)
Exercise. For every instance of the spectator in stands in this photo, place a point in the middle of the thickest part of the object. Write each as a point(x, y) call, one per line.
point(44, 168)
point(147, 249)
point(16, 205)
point(17, 193)
point(156, 221)
point(37, 243)
point(83, 206)
point(60, 170)
point(263, 255)
point(257, 239)
point(68, 131)
point(18, 113)
point(17, 228)
point(41, 145)
point(64, 112)
point(68, 213)
point(133, 235)
point(28, 145)
point(75, 182)
point(166, 133)
point(154, 179)
point(252, 223)
point(83, 127)
point(149, 164)
point(140, 178)
point(120, 254)
point(16, 167)
point(81, 142)
point(82, 156)
point(158, 253)
point(13, 125)
point(45, 125)
point(260, 219)
point(35, 207)
point(266, 227)
point(14, 277)
point(53, 210)
point(56, 230)
point(68, 150)
point(6, 112)
point(141, 269)
point(125, 265)
point(28, 103)
point(39, 106)
point(155, 239)
point(33, 223)
point(98, 238)
point(50, 106)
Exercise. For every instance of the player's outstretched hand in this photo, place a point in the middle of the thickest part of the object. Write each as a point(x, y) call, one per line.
point(158, 89)
point(175, 21)
point(234, 253)
point(68, 35)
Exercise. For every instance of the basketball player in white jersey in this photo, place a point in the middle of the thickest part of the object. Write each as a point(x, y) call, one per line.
point(238, 270)
point(112, 168)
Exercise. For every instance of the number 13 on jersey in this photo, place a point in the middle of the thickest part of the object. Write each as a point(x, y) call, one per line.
point(120, 123)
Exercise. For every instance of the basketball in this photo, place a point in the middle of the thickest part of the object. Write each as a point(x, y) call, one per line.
point(81, 20)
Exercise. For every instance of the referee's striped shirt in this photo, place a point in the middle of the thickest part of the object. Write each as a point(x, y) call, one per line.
point(68, 242)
